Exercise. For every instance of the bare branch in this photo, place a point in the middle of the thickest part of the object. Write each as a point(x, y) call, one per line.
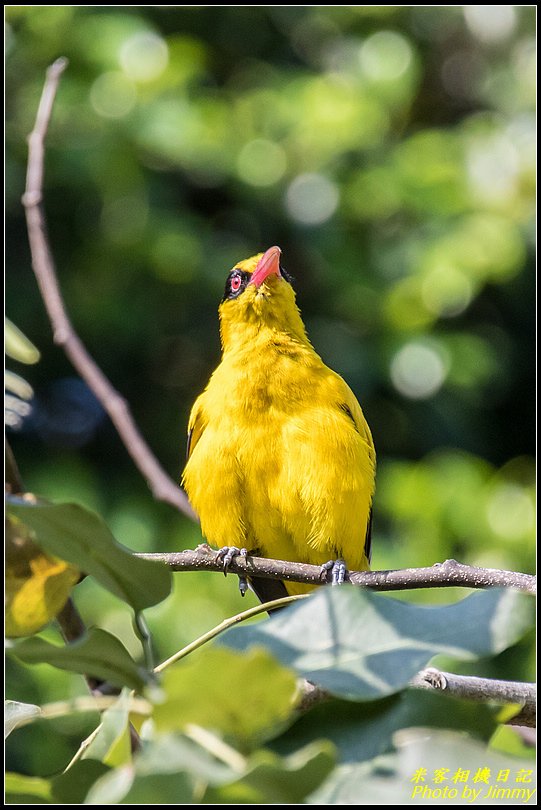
point(484, 690)
point(461, 686)
point(441, 575)
point(161, 485)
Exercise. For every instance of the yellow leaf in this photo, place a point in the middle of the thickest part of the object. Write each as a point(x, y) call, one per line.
point(37, 584)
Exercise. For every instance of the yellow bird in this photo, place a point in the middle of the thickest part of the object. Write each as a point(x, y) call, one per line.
point(281, 461)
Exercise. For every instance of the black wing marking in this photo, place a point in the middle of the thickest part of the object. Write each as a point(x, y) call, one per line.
point(188, 444)
point(346, 409)
point(368, 538)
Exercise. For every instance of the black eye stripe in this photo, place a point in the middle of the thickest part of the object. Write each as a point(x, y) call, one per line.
point(229, 291)
point(236, 273)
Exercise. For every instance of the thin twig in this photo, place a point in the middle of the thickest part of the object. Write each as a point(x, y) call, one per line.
point(85, 703)
point(441, 575)
point(161, 485)
point(482, 689)
point(223, 626)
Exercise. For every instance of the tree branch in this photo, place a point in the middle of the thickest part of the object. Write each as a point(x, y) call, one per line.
point(484, 690)
point(161, 485)
point(441, 575)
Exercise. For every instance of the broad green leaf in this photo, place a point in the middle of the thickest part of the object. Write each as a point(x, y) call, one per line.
point(175, 770)
point(22, 789)
point(37, 585)
point(374, 782)
point(164, 772)
point(112, 745)
point(80, 536)
point(362, 731)
point(152, 788)
point(18, 346)
point(424, 756)
point(243, 696)
point(72, 786)
point(15, 714)
point(270, 779)
point(361, 645)
point(97, 653)
point(173, 752)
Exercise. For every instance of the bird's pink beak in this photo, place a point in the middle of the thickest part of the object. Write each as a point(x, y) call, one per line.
point(268, 264)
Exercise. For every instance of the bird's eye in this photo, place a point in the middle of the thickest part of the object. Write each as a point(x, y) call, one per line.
point(236, 282)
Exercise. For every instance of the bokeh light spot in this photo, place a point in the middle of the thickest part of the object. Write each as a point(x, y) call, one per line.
point(144, 56)
point(418, 370)
point(261, 162)
point(493, 165)
point(113, 95)
point(385, 56)
point(490, 23)
point(312, 199)
point(446, 291)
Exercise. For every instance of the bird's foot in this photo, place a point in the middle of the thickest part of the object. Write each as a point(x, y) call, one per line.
point(226, 555)
point(335, 571)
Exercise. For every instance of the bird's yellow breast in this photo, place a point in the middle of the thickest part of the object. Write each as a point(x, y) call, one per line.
point(282, 459)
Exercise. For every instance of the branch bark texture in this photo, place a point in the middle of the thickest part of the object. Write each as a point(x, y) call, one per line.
point(441, 575)
point(482, 689)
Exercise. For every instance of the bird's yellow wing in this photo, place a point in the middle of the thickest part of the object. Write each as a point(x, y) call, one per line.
point(265, 589)
point(352, 409)
point(196, 425)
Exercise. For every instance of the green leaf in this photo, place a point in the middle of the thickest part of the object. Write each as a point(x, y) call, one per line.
point(22, 789)
point(154, 788)
point(97, 653)
point(18, 346)
point(270, 779)
point(362, 731)
point(165, 771)
point(80, 536)
point(72, 786)
point(361, 645)
point(16, 714)
point(111, 745)
point(244, 696)
point(424, 756)
point(511, 740)
point(175, 770)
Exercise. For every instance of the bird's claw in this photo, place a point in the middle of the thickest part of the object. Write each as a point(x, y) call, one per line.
point(243, 585)
point(226, 555)
point(338, 571)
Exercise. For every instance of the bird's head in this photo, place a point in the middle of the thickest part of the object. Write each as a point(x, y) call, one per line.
point(258, 294)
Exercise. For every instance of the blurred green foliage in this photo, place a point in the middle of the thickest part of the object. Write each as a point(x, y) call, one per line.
point(390, 152)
